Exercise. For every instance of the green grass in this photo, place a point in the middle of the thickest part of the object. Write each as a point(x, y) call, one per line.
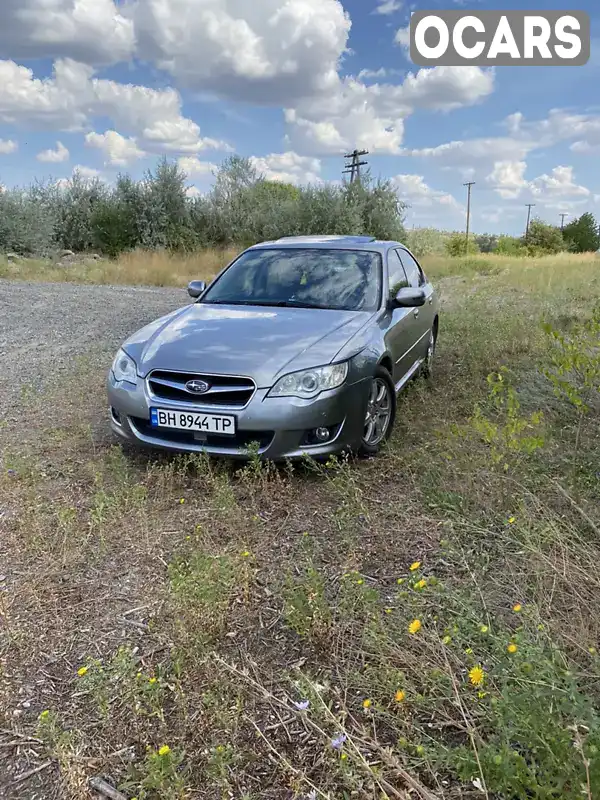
point(426, 621)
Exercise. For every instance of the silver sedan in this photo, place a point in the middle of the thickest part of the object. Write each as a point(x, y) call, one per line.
point(298, 347)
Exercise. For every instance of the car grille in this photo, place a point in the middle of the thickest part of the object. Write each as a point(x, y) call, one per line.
point(241, 440)
point(225, 391)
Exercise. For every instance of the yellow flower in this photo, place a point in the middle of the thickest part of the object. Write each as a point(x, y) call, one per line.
point(415, 566)
point(400, 696)
point(360, 581)
point(45, 714)
point(344, 756)
point(517, 607)
point(420, 584)
point(82, 671)
point(152, 680)
point(182, 501)
point(164, 750)
point(400, 581)
point(511, 520)
point(469, 651)
point(484, 629)
point(246, 554)
point(367, 703)
point(447, 639)
point(512, 648)
point(592, 650)
point(414, 627)
point(476, 675)
point(388, 610)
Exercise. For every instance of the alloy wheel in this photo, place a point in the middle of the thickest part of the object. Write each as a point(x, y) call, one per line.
point(379, 413)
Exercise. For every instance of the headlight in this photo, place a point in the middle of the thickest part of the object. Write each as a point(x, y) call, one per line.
point(124, 368)
point(310, 382)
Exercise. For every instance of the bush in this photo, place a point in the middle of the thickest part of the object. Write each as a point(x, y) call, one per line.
point(582, 235)
point(543, 239)
point(457, 245)
point(510, 246)
point(426, 241)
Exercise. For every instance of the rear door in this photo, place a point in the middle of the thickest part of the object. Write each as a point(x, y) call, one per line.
point(422, 317)
point(400, 333)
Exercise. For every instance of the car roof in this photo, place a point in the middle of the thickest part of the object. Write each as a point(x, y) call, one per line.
point(329, 242)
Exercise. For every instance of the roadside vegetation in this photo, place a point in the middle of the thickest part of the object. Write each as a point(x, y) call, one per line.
point(426, 624)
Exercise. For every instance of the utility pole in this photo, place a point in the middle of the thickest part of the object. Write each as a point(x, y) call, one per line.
point(354, 167)
point(529, 207)
point(562, 222)
point(468, 185)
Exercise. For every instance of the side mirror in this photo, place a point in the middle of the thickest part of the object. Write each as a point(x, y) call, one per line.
point(196, 288)
point(409, 297)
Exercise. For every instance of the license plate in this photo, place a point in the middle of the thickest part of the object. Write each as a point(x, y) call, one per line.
point(186, 421)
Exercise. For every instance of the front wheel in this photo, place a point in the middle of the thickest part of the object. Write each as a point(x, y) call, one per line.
point(380, 413)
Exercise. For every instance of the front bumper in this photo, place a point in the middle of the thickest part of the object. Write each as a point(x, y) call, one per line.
point(278, 424)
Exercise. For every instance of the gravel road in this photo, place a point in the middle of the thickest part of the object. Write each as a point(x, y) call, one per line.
point(45, 326)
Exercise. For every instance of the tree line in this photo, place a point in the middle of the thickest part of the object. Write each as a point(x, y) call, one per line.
point(582, 235)
point(242, 208)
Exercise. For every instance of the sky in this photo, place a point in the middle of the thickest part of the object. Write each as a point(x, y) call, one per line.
point(109, 86)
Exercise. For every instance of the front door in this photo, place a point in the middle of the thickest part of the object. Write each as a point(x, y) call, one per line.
point(400, 335)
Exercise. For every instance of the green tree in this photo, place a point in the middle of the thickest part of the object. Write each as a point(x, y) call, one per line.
point(457, 245)
point(510, 246)
point(543, 239)
point(581, 235)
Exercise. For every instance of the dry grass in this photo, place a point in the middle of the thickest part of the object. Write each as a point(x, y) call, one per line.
point(206, 600)
point(140, 268)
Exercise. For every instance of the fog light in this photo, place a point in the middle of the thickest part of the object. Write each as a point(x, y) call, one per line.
point(322, 434)
point(115, 415)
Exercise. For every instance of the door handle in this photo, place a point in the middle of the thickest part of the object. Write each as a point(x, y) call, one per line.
point(430, 300)
point(416, 312)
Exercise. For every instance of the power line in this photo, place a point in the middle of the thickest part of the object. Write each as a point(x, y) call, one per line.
point(468, 185)
point(529, 207)
point(353, 169)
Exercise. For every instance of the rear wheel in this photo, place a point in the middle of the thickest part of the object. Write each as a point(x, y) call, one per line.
point(380, 413)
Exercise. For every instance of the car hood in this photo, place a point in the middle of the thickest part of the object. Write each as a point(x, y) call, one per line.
point(254, 341)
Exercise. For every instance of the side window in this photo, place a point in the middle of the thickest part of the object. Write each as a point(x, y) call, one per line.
point(397, 273)
point(414, 272)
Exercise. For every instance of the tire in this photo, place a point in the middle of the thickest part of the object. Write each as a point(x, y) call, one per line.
point(372, 440)
point(427, 368)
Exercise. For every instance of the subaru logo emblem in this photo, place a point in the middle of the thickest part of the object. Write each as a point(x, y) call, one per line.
point(197, 387)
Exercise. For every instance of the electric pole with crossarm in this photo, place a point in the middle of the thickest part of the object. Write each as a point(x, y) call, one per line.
point(353, 169)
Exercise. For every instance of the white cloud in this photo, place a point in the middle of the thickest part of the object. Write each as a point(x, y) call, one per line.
point(559, 183)
point(272, 51)
point(54, 156)
point(194, 168)
point(288, 167)
point(117, 150)
point(388, 7)
point(88, 30)
point(192, 192)
point(372, 73)
point(403, 38)
point(73, 97)
point(414, 190)
point(86, 173)
point(508, 180)
point(8, 146)
point(372, 117)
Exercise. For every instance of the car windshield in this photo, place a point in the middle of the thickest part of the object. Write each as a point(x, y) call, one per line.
point(301, 277)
